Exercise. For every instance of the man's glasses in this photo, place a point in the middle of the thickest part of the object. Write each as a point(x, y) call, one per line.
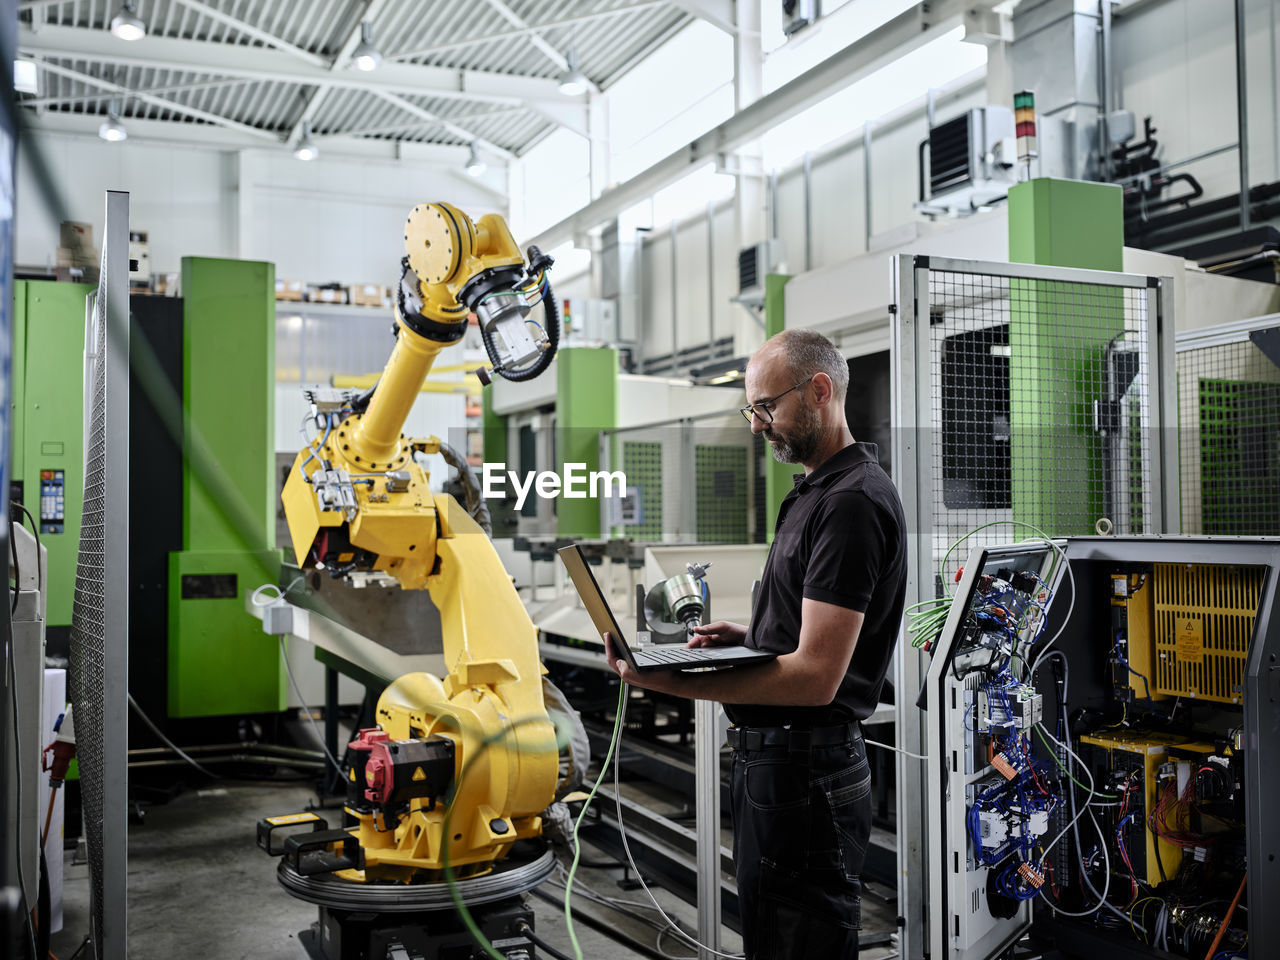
point(763, 410)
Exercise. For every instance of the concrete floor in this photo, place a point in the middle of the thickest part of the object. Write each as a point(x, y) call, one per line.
point(200, 887)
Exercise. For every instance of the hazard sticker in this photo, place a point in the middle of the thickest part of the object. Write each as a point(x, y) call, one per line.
point(419, 774)
point(1189, 639)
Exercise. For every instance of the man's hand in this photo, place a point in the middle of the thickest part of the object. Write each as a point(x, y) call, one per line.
point(616, 663)
point(662, 681)
point(722, 633)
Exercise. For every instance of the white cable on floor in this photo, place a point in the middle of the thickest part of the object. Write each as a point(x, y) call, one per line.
point(675, 928)
point(167, 742)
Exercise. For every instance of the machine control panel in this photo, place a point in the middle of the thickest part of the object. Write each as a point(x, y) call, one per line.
point(52, 501)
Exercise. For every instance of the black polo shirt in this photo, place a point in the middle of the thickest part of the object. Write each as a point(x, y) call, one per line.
point(840, 538)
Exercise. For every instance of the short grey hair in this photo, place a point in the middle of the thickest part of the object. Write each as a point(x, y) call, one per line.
point(807, 352)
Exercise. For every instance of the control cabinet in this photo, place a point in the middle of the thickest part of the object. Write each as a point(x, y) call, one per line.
point(1103, 721)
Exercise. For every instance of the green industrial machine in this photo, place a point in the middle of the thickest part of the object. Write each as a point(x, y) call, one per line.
point(48, 426)
point(202, 528)
point(218, 662)
point(1060, 344)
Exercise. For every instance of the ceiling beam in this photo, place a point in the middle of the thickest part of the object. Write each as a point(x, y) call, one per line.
point(718, 13)
point(223, 59)
point(249, 30)
point(421, 124)
point(174, 88)
point(161, 102)
point(458, 131)
point(526, 30)
point(205, 136)
point(920, 24)
point(371, 9)
point(538, 43)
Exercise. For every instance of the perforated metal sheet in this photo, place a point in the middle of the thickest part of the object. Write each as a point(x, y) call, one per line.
point(88, 619)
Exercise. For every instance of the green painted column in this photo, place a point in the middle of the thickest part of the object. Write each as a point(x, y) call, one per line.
point(220, 661)
point(586, 403)
point(1058, 339)
point(777, 476)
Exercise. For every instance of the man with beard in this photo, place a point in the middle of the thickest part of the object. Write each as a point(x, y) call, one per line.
point(830, 603)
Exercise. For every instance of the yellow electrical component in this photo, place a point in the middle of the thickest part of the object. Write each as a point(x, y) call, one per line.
point(1133, 594)
point(1203, 618)
point(1151, 750)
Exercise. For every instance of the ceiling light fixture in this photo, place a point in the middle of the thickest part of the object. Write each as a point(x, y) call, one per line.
point(573, 82)
point(475, 166)
point(112, 130)
point(366, 56)
point(126, 25)
point(306, 148)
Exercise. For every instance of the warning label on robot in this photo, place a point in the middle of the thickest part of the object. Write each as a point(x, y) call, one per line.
point(1189, 639)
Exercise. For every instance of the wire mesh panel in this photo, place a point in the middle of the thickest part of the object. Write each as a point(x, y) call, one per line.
point(1229, 428)
point(1032, 402)
point(88, 619)
point(1026, 399)
point(99, 619)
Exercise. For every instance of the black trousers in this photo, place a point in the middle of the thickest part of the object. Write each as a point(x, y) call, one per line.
point(801, 823)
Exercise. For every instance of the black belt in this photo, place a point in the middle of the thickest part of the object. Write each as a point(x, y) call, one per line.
point(757, 738)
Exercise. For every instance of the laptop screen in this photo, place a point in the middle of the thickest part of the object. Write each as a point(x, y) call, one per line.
point(593, 598)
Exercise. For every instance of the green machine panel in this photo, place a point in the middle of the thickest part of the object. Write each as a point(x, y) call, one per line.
point(48, 424)
point(220, 661)
point(1058, 339)
point(777, 476)
point(642, 463)
point(721, 478)
point(586, 403)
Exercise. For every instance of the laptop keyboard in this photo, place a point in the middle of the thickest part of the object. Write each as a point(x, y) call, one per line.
point(679, 655)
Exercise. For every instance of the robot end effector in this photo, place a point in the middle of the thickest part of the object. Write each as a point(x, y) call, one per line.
point(455, 266)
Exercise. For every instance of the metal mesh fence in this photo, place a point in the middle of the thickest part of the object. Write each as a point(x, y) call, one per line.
point(1038, 409)
point(88, 620)
point(694, 480)
point(1229, 420)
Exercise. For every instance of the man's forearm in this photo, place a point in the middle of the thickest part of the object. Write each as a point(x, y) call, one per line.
point(787, 681)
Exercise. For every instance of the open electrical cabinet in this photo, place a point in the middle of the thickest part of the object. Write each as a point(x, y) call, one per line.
point(1103, 725)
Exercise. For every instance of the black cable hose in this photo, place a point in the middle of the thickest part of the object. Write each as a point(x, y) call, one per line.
point(44, 907)
point(552, 328)
point(525, 928)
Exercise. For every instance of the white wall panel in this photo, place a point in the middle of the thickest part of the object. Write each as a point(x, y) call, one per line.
point(1175, 61)
point(727, 314)
point(693, 324)
point(182, 197)
point(343, 220)
point(655, 284)
point(331, 219)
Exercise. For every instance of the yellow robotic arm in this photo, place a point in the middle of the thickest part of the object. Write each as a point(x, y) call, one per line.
point(356, 500)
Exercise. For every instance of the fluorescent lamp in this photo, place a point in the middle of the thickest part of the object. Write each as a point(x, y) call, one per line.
point(126, 24)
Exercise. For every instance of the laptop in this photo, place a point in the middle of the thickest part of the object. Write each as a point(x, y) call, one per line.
point(666, 657)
